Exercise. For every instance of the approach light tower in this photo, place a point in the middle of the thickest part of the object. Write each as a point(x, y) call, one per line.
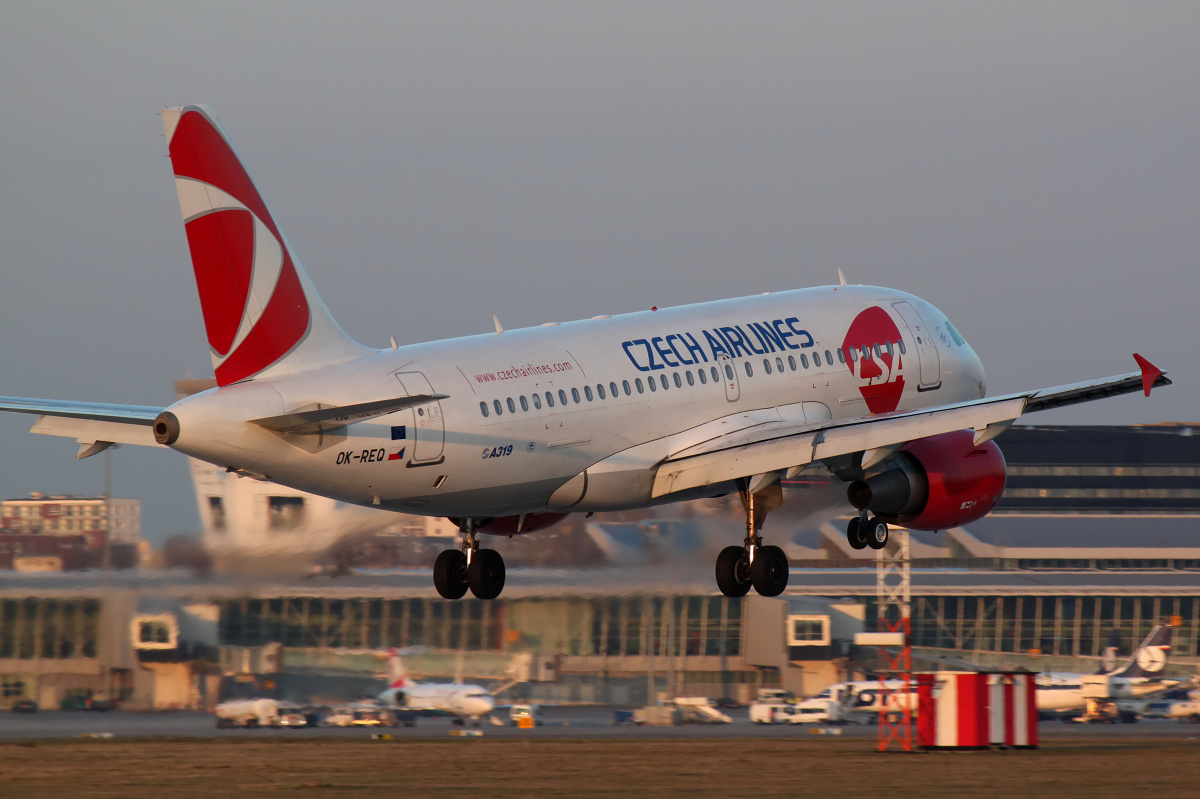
point(893, 595)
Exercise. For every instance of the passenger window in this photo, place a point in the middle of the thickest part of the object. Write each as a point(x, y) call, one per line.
point(678, 382)
point(749, 370)
point(900, 344)
point(600, 390)
point(625, 383)
point(537, 402)
point(792, 362)
point(766, 366)
point(804, 360)
point(691, 380)
point(496, 405)
point(587, 392)
point(575, 395)
point(512, 408)
point(853, 354)
point(779, 364)
point(663, 379)
point(878, 352)
point(728, 372)
point(829, 358)
point(887, 347)
point(524, 403)
point(703, 376)
point(638, 382)
point(483, 409)
point(653, 383)
point(612, 387)
point(549, 400)
point(562, 397)
point(841, 355)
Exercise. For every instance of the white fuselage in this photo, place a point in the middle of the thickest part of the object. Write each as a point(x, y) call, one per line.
point(451, 458)
point(466, 701)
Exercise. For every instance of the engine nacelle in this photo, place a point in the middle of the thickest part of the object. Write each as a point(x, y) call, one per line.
point(935, 483)
point(519, 525)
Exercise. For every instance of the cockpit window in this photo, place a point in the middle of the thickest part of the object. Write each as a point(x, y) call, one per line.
point(959, 340)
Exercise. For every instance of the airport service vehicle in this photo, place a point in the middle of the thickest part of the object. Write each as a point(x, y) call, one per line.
point(527, 714)
point(292, 716)
point(464, 702)
point(508, 432)
point(248, 713)
point(1183, 710)
point(771, 712)
point(823, 711)
point(360, 715)
point(699, 710)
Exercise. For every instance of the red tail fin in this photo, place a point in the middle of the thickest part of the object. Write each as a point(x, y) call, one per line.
point(258, 305)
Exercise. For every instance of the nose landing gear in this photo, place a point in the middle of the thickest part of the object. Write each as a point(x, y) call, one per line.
point(752, 564)
point(481, 570)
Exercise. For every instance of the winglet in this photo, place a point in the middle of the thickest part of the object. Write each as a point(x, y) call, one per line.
point(1150, 373)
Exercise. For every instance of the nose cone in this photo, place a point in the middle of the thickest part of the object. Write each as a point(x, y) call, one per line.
point(482, 705)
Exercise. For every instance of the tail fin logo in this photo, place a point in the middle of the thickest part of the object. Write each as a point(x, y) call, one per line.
point(254, 305)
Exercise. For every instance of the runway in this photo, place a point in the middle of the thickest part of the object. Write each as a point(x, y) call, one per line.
point(560, 723)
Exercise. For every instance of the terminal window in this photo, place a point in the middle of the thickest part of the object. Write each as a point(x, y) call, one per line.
point(154, 632)
point(808, 632)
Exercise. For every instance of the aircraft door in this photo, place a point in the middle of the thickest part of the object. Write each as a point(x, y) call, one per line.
point(428, 436)
point(733, 390)
point(927, 354)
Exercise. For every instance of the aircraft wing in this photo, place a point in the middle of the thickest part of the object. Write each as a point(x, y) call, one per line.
point(95, 425)
point(767, 449)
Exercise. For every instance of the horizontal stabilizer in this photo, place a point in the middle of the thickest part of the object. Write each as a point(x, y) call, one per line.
point(314, 420)
point(100, 411)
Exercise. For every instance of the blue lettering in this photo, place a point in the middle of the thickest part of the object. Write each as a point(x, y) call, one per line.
point(694, 349)
point(785, 335)
point(803, 333)
point(665, 352)
point(682, 359)
point(750, 343)
point(767, 335)
point(738, 343)
point(626, 345)
point(716, 345)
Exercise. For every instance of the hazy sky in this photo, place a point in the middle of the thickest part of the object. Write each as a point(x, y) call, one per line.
point(1033, 169)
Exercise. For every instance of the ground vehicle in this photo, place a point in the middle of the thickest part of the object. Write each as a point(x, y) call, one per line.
point(25, 706)
point(248, 713)
point(77, 702)
point(517, 713)
point(361, 715)
point(822, 711)
point(771, 712)
point(293, 716)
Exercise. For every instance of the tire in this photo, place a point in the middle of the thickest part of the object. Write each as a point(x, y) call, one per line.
point(449, 574)
point(855, 534)
point(876, 533)
point(486, 574)
point(733, 572)
point(769, 572)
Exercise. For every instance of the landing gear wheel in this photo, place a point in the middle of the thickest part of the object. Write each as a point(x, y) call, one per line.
point(876, 531)
point(450, 574)
point(733, 571)
point(769, 572)
point(485, 575)
point(856, 534)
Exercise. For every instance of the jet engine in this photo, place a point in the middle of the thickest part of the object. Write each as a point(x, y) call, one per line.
point(934, 483)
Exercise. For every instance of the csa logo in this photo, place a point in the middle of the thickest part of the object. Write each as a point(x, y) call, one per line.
point(880, 376)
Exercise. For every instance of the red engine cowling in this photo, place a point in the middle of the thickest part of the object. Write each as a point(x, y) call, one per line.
point(516, 525)
point(935, 483)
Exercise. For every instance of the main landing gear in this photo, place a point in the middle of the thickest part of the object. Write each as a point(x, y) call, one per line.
point(764, 567)
point(481, 570)
point(865, 530)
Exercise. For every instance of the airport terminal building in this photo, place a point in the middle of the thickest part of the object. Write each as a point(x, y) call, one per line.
point(1101, 537)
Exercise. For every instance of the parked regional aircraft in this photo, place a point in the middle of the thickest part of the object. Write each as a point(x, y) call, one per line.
point(508, 432)
point(1140, 675)
point(464, 701)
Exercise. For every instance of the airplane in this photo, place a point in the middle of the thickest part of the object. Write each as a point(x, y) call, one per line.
point(508, 432)
point(1057, 692)
point(465, 702)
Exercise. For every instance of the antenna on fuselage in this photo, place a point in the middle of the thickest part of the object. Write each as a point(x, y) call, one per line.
point(499, 327)
point(841, 277)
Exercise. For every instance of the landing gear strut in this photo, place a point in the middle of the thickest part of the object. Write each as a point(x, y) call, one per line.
point(481, 570)
point(865, 530)
point(764, 567)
